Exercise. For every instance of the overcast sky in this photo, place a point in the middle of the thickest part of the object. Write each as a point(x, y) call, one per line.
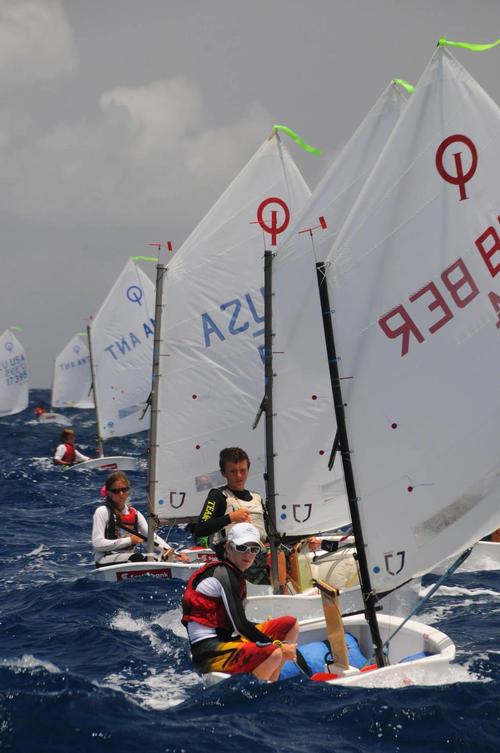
point(121, 122)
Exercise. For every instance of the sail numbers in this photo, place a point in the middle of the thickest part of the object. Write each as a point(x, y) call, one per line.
point(455, 289)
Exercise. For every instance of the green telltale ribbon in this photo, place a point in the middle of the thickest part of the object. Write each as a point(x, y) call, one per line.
point(295, 137)
point(144, 258)
point(15, 328)
point(409, 87)
point(467, 45)
point(82, 334)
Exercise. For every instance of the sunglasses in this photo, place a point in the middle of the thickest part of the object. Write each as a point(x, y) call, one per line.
point(121, 490)
point(244, 548)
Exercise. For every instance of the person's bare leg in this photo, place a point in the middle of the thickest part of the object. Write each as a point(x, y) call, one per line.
point(270, 668)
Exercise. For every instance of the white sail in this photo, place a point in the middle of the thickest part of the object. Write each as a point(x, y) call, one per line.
point(212, 373)
point(122, 335)
point(416, 297)
point(71, 386)
point(13, 375)
point(310, 498)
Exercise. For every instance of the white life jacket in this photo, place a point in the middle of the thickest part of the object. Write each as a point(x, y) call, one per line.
point(234, 503)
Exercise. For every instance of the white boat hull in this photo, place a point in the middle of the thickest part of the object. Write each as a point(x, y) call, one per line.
point(54, 418)
point(170, 569)
point(108, 464)
point(413, 638)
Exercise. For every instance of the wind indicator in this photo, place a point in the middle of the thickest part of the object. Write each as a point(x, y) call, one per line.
point(158, 245)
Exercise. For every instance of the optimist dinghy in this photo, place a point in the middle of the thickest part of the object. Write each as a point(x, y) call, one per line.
point(120, 343)
point(413, 308)
point(72, 380)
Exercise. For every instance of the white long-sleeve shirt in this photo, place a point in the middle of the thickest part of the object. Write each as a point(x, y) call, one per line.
point(61, 451)
point(102, 545)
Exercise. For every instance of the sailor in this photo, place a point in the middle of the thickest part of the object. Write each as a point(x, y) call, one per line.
point(230, 504)
point(118, 527)
point(66, 452)
point(221, 637)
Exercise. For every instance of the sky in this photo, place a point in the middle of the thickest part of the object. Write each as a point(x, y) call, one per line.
point(121, 122)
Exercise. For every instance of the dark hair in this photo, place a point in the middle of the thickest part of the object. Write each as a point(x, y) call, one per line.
point(67, 433)
point(116, 476)
point(232, 455)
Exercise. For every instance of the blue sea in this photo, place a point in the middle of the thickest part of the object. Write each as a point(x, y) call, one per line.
point(88, 666)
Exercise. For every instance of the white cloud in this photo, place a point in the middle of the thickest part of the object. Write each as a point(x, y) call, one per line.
point(148, 156)
point(158, 114)
point(36, 42)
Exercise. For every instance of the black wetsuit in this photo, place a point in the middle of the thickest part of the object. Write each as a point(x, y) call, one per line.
point(213, 518)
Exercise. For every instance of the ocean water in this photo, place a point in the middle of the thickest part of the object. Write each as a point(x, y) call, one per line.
point(88, 666)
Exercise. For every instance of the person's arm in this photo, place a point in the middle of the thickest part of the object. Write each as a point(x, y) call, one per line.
point(234, 605)
point(80, 457)
point(213, 515)
point(143, 528)
point(99, 541)
point(59, 454)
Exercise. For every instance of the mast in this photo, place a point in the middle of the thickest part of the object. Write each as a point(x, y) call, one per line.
point(100, 448)
point(268, 408)
point(153, 438)
point(369, 597)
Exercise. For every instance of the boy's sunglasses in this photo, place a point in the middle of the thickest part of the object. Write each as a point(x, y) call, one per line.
point(244, 548)
point(120, 490)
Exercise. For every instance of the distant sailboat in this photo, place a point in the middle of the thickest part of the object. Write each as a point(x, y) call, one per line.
point(72, 383)
point(121, 353)
point(13, 375)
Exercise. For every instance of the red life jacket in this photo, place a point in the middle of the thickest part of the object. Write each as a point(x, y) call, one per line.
point(69, 455)
point(208, 610)
point(130, 520)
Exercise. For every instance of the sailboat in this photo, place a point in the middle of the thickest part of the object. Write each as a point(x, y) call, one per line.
point(72, 382)
point(13, 375)
point(311, 499)
point(414, 309)
point(208, 372)
point(120, 344)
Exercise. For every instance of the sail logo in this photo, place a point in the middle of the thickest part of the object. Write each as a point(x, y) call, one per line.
point(460, 289)
point(390, 566)
point(135, 294)
point(176, 499)
point(240, 315)
point(460, 178)
point(273, 228)
point(128, 343)
point(308, 510)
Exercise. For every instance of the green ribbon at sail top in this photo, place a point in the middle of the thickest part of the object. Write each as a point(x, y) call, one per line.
point(467, 45)
point(15, 328)
point(295, 137)
point(144, 258)
point(409, 87)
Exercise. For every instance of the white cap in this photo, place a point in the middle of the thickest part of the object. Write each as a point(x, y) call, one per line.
point(243, 533)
